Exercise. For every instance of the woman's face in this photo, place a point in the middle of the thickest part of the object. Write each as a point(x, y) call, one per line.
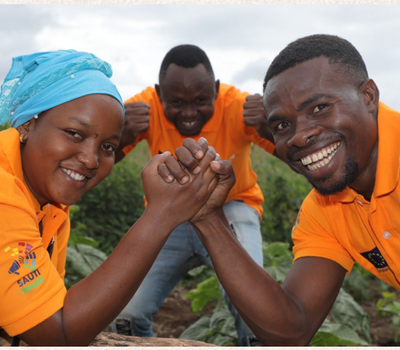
point(70, 148)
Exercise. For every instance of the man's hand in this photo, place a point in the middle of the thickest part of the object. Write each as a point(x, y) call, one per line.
point(254, 116)
point(136, 122)
point(174, 192)
point(191, 161)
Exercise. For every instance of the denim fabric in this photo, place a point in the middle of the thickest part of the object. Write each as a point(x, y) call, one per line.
point(182, 252)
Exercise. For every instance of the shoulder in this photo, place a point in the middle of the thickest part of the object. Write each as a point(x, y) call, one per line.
point(148, 95)
point(231, 93)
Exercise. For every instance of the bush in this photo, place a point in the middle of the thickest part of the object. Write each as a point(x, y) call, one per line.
point(4, 127)
point(109, 210)
point(284, 191)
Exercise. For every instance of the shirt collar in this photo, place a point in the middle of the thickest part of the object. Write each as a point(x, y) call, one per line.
point(388, 156)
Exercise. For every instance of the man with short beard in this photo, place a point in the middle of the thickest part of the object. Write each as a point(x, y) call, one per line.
point(328, 125)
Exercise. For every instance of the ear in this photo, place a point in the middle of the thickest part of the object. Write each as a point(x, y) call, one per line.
point(371, 95)
point(158, 91)
point(24, 128)
point(216, 88)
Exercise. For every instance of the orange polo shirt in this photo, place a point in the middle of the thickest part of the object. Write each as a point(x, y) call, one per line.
point(346, 228)
point(225, 131)
point(32, 287)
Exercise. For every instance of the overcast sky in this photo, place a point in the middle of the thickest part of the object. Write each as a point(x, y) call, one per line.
point(241, 40)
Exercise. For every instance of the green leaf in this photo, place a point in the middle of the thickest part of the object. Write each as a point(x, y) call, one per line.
point(348, 312)
point(333, 334)
point(205, 292)
point(84, 259)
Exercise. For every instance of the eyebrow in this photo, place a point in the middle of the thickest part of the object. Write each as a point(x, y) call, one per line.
point(310, 100)
point(116, 137)
point(304, 104)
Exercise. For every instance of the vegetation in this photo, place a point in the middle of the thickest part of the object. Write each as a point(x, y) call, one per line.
point(103, 215)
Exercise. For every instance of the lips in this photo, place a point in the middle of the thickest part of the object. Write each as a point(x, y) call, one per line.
point(74, 175)
point(320, 158)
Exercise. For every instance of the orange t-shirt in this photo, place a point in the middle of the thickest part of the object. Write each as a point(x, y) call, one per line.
point(346, 228)
point(32, 287)
point(225, 131)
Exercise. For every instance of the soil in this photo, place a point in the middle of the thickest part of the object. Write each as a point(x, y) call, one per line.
point(175, 316)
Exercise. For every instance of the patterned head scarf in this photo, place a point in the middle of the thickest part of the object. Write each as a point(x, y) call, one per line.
point(43, 80)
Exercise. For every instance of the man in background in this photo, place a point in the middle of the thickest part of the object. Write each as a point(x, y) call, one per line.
point(189, 102)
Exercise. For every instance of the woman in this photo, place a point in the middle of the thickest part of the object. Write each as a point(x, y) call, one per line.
point(66, 119)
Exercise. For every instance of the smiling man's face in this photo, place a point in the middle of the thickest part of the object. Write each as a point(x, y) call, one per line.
point(188, 97)
point(324, 125)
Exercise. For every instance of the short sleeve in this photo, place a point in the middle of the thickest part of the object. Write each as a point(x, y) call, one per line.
point(31, 288)
point(312, 235)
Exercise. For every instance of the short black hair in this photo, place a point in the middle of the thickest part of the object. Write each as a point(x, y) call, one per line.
point(186, 56)
point(337, 50)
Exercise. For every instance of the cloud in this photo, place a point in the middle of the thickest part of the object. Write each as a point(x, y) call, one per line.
point(241, 40)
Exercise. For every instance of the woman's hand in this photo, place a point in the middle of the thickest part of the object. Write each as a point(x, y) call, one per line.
point(175, 192)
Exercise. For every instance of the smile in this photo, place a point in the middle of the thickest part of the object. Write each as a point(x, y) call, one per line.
point(189, 123)
point(321, 158)
point(73, 174)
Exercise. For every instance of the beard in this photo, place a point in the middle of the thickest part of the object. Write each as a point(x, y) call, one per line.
point(350, 173)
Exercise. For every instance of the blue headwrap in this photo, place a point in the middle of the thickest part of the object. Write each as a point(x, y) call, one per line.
point(43, 80)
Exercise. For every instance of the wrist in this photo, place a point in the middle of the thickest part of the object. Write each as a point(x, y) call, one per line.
point(161, 218)
point(214, 218)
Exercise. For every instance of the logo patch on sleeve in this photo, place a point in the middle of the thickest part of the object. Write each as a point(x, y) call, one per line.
point(375, 257)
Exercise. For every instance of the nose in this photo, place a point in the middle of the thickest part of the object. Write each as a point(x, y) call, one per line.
point(89, 157)
point(188, 111)
point(303, 133)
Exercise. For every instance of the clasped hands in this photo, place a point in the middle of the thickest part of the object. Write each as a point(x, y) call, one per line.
point(191, 186)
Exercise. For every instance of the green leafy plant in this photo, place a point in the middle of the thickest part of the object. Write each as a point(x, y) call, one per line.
point(389, 305)
point(358, 283)
point(82, 259)
point(206, 292)
point(342, 327)
point(4, 127)
point(277, 259)
point(217, 328)
point(109, 210)
point(284, 191)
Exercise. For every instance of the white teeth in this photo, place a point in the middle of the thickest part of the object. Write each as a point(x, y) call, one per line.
point(188, 123)
point(321, 158)
point(306, 160)
point(73, 175)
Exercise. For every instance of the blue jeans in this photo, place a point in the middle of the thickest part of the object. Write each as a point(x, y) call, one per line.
point(182, 252)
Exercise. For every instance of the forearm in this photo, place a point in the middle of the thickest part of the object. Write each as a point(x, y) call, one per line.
point(94, 302)
point(265, 307)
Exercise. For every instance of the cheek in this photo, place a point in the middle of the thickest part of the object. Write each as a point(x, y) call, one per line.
point(105, 169)
point(280, 147)
point(208, 111)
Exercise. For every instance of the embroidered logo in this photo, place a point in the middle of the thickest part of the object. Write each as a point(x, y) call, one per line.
point(23, 257)
point(375, 257)
point(19, 252)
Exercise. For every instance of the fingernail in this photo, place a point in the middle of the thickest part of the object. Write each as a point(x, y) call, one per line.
point(170, 178)
point(196, 170)
point(199, 154)
point(184, 180)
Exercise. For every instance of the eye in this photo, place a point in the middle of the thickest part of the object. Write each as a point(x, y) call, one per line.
point(281, 126)
point(176, 103)
point(319, 108)
point(74, 134)
point(201, 100)
point(109, 148)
